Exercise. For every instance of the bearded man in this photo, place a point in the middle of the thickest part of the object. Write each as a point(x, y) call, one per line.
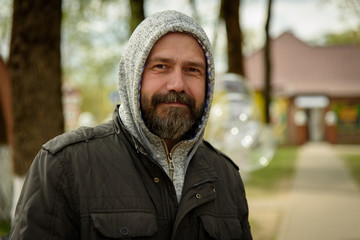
point(147, 173)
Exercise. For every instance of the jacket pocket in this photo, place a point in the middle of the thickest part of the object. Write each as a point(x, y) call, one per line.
point(221, 227)
point(125, 224)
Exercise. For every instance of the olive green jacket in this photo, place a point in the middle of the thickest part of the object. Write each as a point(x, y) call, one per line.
point(100, 183)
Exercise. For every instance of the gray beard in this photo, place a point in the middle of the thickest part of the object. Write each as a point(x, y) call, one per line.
point(178, 123)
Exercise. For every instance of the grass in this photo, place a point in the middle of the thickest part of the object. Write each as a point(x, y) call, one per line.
point(4, 228)
point(266, 183)
point(353, 163)
point(275, 177)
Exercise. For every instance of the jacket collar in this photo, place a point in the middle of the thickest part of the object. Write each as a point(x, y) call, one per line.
point(119, 127)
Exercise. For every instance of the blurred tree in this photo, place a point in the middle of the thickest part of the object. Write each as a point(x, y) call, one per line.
point(35, 72)
point(348, 7)
point(137, 13)
point(93, 37)
point(350, 11)
point(6, 109)
point(267, 64)
point(230, 14)
point(351, 37)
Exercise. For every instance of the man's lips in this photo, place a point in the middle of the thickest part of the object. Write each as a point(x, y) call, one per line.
point(175, 104)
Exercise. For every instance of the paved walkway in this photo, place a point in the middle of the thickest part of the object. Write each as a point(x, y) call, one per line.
point(324, 203)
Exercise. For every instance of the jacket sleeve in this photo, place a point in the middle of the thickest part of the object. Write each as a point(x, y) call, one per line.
point(46, 207)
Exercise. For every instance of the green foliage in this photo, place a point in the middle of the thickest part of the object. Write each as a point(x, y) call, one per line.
point(96, 99)
point(277, 175)
point(5, 227)
point(353, 163)
point(349, 9)
point(350, 37)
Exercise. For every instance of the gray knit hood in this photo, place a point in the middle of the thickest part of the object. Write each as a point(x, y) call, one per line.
point(130, 74)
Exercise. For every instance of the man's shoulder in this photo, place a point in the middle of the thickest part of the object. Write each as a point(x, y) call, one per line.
point(82, 134)
point(209, 148)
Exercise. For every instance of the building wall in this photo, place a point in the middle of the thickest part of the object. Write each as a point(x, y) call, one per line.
point(297, 124)
point(339, 122)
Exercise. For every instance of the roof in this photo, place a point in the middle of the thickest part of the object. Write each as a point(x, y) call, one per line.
point(299, 68)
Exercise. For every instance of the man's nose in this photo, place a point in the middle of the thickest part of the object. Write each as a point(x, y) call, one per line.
point(176, 81)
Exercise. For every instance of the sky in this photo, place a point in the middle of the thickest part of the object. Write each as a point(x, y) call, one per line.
point(308, 19)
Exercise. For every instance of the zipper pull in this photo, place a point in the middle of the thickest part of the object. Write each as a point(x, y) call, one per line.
point(171, 168)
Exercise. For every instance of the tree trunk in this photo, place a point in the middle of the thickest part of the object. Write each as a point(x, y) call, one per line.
point(35, 72)
point(230, 13)
point(267, 64)
point(137, 13)
point(6, 134)
point(6, 111)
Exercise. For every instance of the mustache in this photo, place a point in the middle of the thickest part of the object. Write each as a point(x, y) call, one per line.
point(173, 96)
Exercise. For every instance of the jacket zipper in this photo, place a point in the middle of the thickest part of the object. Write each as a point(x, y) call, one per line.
point(169, 159)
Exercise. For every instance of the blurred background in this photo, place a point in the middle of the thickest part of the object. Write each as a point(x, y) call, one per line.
point(288, 75)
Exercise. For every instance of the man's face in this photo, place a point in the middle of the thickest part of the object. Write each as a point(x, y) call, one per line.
point(173, 86)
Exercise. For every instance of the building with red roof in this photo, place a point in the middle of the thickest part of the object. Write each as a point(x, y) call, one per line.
point(316, 90)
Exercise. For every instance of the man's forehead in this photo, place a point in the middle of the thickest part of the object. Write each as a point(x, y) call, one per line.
point(175, 39)
point(179, 36)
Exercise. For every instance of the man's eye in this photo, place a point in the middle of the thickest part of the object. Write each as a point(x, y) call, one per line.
point(161, 66)
point(194, 70)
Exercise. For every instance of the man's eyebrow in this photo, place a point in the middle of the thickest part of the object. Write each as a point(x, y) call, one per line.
point(159, 59)
point(195, 64)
